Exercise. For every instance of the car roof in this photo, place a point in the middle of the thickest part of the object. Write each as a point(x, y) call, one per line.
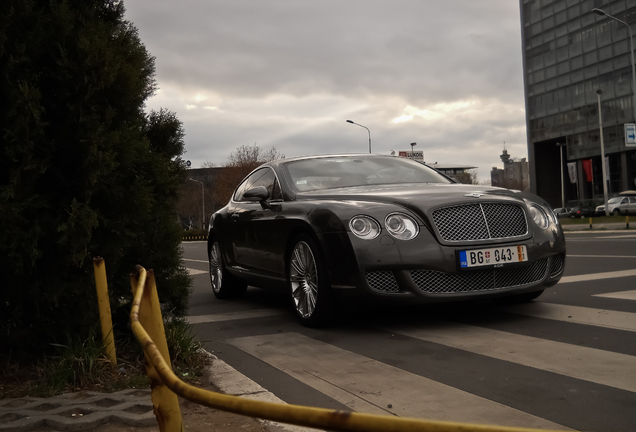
point(347, 155)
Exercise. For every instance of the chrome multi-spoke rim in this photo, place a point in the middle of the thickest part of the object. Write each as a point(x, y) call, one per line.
point(303, 277)
point(216, 267)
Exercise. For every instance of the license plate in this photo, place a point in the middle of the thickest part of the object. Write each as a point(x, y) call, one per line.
point(497, 257)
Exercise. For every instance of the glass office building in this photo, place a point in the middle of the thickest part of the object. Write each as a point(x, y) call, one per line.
point(569, 53)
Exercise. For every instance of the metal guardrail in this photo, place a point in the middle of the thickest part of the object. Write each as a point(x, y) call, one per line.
point(191, 238)
point(146, 314)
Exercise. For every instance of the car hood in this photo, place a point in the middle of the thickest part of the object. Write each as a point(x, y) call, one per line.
point(421, 197)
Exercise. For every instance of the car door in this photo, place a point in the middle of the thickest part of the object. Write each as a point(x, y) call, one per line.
point(632, 205)
point(256, 228)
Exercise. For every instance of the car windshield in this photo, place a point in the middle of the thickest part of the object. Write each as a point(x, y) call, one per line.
point(614, 200)
point(336, 172)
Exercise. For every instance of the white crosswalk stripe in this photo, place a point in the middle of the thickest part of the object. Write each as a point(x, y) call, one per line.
point(355, 381)
point(601, 367)
point(577, 314)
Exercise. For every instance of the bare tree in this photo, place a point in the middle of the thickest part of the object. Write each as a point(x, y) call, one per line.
point(208, 164)
point(253, 156)
point(240, 163)
point(467, 177)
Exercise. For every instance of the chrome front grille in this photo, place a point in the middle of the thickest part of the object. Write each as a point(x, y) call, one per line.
point(556, 265)
point(483, 221)
point(382, 281)
point(435, 282)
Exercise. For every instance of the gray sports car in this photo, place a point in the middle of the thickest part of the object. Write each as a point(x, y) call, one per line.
point(331, 228)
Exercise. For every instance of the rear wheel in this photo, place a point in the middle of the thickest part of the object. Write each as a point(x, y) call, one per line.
point(224, 284)
point(308, 282)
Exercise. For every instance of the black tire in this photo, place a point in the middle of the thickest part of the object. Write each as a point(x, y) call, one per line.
point(308, 283)
point(520, 298)
point(616, 212)
point(224, 284)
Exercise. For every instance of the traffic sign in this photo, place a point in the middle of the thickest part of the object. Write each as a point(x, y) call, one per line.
point(630, 135)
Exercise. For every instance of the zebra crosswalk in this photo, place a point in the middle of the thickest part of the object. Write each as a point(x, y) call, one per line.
point(462, 370)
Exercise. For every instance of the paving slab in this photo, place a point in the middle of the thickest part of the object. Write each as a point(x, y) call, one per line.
point(79, 411)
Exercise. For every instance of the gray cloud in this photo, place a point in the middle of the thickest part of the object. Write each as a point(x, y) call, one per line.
point(289, 72)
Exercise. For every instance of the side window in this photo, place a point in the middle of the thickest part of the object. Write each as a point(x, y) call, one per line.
point(238, 194)
point(632, 200)
point(624, 201)
point(263, 177)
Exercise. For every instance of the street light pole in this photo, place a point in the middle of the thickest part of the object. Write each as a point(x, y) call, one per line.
point(413, 151)
point(560, 145)
point(600, 126)
point(352, 122)
point(631, 51)
point(202, 201)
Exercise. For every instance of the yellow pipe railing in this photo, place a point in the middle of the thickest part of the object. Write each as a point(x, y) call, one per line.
point(293, 414)
point(105, 317)
point(164, 401)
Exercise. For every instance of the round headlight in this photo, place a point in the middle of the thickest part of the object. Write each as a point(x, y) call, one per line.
point(401, 226)
point(539, 216)
point(364, 227)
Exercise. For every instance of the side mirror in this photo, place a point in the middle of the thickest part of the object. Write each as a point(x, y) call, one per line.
point(258, 193)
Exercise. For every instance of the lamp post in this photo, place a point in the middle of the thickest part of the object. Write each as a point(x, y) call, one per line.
point(560, 145)
point(600, 126)
point(352, 122)
point(202, 201)
point(412, 151)
point(631, 51)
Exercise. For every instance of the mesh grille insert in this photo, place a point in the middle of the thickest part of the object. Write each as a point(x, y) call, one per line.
point(556, 265)
point(382, 281)
point(480, 221)
point(435, 282)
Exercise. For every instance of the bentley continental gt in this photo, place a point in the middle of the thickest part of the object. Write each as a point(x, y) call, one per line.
point(338, 228)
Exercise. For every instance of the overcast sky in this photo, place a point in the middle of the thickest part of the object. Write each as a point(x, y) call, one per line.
point(288, 73)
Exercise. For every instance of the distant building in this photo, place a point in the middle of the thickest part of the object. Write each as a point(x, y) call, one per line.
point(191, 201)
point(570, 53)
point(453, 171)
point(514, 175)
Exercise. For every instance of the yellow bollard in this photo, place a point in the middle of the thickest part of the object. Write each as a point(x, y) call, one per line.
point(590, 222)
point(165, 402)
point(104, 309)
point(627, 220)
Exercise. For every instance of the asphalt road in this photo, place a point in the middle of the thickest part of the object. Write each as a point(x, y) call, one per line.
point(565, 361)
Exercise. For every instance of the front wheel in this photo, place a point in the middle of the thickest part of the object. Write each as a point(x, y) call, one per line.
point(224, 284)
point(616, 212)
point(308, 282)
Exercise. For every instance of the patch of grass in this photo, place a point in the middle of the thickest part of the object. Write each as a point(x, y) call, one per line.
point(81, 365)
point(195, 233)
point(596, 220)
point(188, 362)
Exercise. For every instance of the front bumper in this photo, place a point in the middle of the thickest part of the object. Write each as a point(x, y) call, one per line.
point(425, 270)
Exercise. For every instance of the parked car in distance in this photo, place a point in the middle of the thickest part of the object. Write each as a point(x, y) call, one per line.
point(618, 205)
point(562, 212)
point(583, 208)
point(352, 228)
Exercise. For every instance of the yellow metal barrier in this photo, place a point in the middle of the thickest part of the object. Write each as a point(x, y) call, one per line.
point(104, 310)
point(293, 414)
point(146, 313)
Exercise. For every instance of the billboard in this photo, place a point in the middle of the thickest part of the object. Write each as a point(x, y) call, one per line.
point(412, 155)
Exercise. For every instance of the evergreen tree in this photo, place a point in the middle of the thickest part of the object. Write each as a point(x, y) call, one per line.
point(84, 171)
